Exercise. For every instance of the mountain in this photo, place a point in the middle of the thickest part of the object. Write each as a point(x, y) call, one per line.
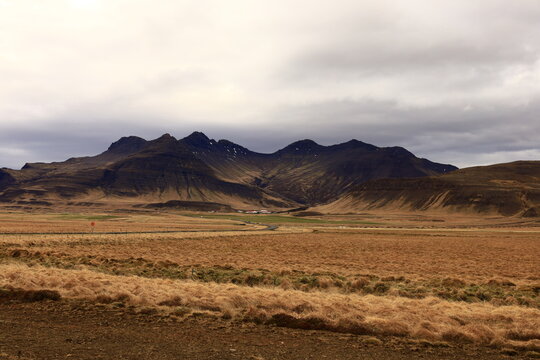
point(505, 189)
point(312, 174)
point(197, 168)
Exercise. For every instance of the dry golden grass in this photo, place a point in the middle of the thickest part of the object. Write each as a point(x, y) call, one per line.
point(423, 219)
point(80, 223)
point(429, 318)
point(477, 285)
point(471, 256)
point(495, 291)
point(61, 241)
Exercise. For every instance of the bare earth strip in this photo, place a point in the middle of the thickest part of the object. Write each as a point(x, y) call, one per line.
point(73, 330)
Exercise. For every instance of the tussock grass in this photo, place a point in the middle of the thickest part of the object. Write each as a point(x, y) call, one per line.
point(129, 240)
point(435, 286)
point(472, 258)
point(69, 223)
point(428, 318)
point(498, 292)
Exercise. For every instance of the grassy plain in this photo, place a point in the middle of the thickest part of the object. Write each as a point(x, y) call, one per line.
point(439, 280)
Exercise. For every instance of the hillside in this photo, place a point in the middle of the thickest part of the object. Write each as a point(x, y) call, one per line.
point(197, 168)
point(506, 189)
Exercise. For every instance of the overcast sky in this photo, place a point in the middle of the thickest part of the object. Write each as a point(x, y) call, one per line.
point(456, 81)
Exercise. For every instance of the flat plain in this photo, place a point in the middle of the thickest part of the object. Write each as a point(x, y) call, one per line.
point(372, 285)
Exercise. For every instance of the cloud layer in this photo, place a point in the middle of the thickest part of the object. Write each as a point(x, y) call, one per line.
point(454, 81)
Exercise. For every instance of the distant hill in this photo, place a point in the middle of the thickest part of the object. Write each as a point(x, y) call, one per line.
point(200, 169)
point(505, 189)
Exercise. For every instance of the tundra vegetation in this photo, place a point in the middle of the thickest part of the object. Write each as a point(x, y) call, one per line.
point(430, 279)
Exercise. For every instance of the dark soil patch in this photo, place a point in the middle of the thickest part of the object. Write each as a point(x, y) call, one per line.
point(80, 330)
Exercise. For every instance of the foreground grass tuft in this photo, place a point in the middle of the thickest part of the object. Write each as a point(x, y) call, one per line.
point(429, 318)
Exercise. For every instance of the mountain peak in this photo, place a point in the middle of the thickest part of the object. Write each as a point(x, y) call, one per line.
point(197, 139)
point(305, 146)
point(165, 142)
point(354, 144)
point(166, 136)
point(127, 145)
point(197, 135)
point(164, 139)
point(198, 168)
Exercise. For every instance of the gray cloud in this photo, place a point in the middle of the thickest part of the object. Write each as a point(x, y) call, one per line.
point(459, 136)
point(456, 82)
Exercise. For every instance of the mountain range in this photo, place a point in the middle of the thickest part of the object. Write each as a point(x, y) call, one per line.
point(199, 169)
point(197, 172)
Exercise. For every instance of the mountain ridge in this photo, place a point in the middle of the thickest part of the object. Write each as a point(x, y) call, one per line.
point(197, 168)
point(508, 189)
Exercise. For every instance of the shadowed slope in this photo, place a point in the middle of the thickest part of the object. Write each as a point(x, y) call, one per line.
point(197, 168)
point(312, 174)
point(506, 189)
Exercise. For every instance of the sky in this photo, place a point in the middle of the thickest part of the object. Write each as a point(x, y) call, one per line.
point(454, 81)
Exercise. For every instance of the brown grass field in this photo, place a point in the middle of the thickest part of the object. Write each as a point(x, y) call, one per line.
point(441, 281)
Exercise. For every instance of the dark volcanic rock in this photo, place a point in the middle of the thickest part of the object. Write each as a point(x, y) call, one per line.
point(6, 179)
point(507, 189)
point(190, 205)
point(127, 145)
point(198, 140)
point(197, 168)
point(302, 147)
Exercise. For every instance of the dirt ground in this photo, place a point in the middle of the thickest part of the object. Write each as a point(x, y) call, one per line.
point(78, 330)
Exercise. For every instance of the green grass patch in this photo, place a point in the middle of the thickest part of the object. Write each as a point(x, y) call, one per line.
point(280, 219)
point(266, 219)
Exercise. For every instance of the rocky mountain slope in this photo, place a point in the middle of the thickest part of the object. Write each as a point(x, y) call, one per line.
point(197, 168)
point(505, 189)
